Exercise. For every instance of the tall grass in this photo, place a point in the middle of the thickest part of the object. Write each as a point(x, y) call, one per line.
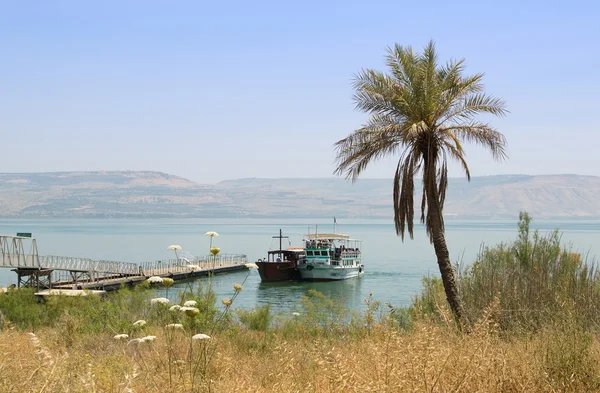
point(430, 357)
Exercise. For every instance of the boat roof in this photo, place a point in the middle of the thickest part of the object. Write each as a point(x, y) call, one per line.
point(328, 236)
point(289, 250)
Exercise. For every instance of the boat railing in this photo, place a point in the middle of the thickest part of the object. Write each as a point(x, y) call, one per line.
point(350, 254)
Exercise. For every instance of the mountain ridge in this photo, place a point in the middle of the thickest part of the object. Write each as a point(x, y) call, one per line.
point(152, 194)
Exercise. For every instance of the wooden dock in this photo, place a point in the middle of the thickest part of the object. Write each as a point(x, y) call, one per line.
point(177, 273)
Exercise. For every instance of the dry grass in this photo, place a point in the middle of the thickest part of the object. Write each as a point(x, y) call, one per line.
point(431, 358)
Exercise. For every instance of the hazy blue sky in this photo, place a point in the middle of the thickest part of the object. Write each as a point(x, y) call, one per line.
point(219, 90)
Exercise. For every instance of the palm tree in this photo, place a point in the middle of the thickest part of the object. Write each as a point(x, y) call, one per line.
point(422, 112)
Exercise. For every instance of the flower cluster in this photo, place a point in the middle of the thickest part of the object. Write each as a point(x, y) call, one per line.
point(159, 300)
point(139, 323)
point(167, 282)
point(155, 280)
point(190, 311)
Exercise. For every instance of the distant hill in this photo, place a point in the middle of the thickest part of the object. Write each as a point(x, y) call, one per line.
point(146, 194)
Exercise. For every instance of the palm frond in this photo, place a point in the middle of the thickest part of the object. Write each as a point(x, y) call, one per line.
point(453, 146)
point(443, 183)
point(404, 188)
point(380, 137)
point(472, 105)
point(402, 63)
point(374, 92)
point(483, 135)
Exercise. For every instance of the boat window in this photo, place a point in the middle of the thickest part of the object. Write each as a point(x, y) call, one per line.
point(325, 253)
point(309, 252)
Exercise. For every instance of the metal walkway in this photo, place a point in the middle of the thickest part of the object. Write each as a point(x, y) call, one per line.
point(21, 254)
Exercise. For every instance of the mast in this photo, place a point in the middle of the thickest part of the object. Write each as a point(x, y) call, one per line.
point(280, 237)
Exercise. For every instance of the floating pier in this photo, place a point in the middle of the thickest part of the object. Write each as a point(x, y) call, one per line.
point(76, 274)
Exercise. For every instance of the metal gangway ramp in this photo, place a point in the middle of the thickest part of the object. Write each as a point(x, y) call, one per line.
point(14, 254)
point(21, 254)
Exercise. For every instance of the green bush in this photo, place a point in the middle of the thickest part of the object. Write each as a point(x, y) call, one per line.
point(535, 278)
point(259, 318)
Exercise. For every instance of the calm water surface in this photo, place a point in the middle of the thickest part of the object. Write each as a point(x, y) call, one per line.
point(393, 269)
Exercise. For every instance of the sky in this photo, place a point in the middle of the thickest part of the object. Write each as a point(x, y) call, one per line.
point(213, 90)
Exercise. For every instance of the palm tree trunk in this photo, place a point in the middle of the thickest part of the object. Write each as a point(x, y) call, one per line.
point(438, 238)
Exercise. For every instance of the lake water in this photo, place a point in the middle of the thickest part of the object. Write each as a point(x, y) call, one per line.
point(394, 269)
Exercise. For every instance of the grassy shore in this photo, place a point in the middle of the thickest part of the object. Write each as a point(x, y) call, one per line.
point(531, 305)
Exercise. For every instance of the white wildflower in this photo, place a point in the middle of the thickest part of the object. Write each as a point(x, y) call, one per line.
point(237, 287)
point(176, 307)
point(159, 300)
point(226, 301)
point(155, 280)
point(252, 265)
point(135, 341)
point(148, 339)
point(121, 336)
point(34, 339)
point(296, 314)
point(190, 311)
point(190, 303)
point(139, 323)
point(200, 336)
point(174, 326)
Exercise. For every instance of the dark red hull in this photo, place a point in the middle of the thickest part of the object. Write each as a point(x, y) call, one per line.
point(277, 271)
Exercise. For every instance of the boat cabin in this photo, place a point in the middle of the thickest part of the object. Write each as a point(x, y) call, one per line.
point(288, 255)
point(332, 249)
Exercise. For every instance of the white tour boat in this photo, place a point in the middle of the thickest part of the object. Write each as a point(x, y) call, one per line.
point(329, 257)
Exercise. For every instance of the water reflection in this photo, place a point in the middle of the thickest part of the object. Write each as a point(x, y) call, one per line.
point(281, 296)
point(284, 295)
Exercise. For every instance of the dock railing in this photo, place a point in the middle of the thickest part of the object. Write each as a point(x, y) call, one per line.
point(183, 265)
point(75, 264)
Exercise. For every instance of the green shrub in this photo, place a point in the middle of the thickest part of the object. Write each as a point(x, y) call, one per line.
point(20, 307)
point(259, 318)
point(535, 278)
